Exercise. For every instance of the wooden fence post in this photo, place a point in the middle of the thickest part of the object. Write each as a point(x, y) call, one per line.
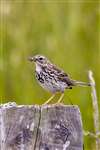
point(34, 127)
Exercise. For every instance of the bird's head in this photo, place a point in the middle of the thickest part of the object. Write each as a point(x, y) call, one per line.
point(39, 60)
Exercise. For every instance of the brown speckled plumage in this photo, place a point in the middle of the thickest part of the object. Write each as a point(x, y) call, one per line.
point(51, 78)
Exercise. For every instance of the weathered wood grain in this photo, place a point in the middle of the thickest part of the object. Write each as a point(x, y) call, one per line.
point(49, 127)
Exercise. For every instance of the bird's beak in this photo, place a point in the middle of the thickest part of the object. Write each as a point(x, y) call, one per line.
point(32, 59)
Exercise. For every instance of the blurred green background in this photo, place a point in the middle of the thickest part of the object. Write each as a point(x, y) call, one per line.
point(67, 32)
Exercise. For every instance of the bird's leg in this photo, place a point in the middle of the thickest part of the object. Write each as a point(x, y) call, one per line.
point(61, 97)
point(49, 99)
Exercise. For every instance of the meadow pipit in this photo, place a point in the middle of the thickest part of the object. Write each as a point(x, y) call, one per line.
point(53, 79)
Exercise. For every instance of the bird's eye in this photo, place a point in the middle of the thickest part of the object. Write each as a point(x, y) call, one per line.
point(40, 58)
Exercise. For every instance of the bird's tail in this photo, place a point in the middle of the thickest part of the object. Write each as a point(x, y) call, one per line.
point(79, 83)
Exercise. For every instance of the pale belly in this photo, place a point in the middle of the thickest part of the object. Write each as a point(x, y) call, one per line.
point(50, 84)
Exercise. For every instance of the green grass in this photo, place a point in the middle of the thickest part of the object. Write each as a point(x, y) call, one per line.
point(67, 33)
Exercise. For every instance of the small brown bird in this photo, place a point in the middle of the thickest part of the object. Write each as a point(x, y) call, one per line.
point(53, 79)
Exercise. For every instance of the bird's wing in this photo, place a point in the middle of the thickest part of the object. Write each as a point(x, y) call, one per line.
point(62, 76)
point(59, 72)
